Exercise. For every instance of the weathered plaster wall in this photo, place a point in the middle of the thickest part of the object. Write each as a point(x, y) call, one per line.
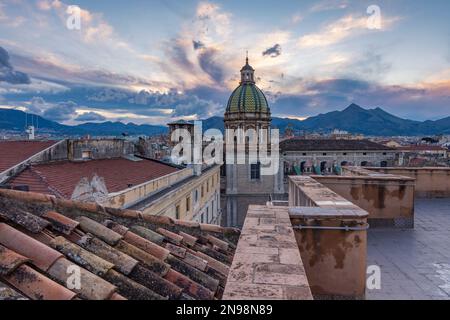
point(331, 234)
point(334, 260)
point(385, 198)
point(430, 182)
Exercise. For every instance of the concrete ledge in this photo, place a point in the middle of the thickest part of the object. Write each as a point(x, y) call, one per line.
point(267, 262)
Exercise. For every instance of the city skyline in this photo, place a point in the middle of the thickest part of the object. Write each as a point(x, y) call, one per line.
point(182, 59)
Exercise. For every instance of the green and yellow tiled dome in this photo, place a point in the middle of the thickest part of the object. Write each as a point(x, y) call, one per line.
point(247, 98)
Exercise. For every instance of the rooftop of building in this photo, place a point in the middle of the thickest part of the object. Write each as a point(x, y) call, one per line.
point(422, 147)
point(15, 152)
point(61, 177)
point(297, 144)
point(121, 254)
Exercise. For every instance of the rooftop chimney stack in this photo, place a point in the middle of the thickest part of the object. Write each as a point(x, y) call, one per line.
point(30, 131)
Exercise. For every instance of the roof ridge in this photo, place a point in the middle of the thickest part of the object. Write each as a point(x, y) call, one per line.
point(98, 208)
point(38, 174)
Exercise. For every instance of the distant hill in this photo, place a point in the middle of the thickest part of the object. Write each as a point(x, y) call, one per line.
point(376, 122)
point(15, 120)
point(353, 119)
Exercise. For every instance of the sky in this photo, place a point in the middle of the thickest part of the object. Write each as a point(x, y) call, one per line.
point(155, 61)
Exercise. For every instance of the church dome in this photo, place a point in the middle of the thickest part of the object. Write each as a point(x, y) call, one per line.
point(247, 97)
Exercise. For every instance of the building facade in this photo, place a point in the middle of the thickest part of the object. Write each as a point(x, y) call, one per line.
point(113, 173)
point(247, 110)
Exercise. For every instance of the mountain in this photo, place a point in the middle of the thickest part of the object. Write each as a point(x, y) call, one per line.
point(354, 119)
point(375, 122)
point(15, 120)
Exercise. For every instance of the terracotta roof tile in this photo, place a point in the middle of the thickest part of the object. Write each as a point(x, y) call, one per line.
point(15, 152)
point(91, 287)
point(122, 262)
point(188, 239)
point(217, 242)
point(60, 223)
point(148, 234)
point(219, 266)
point(176, 250)
point(192, 288)
point(147, 259)
point(117, 296)
point(99, 230)
point(146, 245)
point(131, 289)
point(41, 255)
point(193, 273)
point(37, 286)
point(158, 284)
point(127, 251)
point(195, 261)
point(10, 261)
point(298, 144)
point(27, 220)
point(170, 236)
point(61, 177)
point(8, 293)
point(82, 257)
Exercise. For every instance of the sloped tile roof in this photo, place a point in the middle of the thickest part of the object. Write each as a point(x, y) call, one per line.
point(297, 144)
point(120, 254)
point(15, 152)
point(60, 178)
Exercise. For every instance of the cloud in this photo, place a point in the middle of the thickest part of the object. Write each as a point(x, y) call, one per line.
point(196, 108)
point(7, 72)
point(90, 116)
point(327, 5)
point(334, 94)
point(53, 69)
point(272, 52)
point(61, 112)
point(334, 32)
point(211, 63)
point(197, 44)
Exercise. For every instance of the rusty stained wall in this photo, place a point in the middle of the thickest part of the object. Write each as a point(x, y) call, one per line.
point(383, 198)
point(334, 260)
point(430, 182)
point(99, 148)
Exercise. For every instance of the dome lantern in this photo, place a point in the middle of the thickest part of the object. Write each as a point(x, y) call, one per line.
point(247, 97)
point(247, 72)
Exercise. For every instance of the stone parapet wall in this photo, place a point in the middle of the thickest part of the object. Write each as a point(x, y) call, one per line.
point(267, 262)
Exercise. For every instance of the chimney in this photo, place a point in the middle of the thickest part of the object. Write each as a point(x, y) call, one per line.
point(30, 132)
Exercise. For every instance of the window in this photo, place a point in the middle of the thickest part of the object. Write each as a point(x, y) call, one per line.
point(345, 153)
point(207, 214)
point(203, 191)
point(196, 195)
point(324, 154)
point(188, 204)
point(177, 212)
point(304, 154)
point(87, 154)
point(255, 171)
point(364, 153)
point(384, 153)
point(207, 186)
